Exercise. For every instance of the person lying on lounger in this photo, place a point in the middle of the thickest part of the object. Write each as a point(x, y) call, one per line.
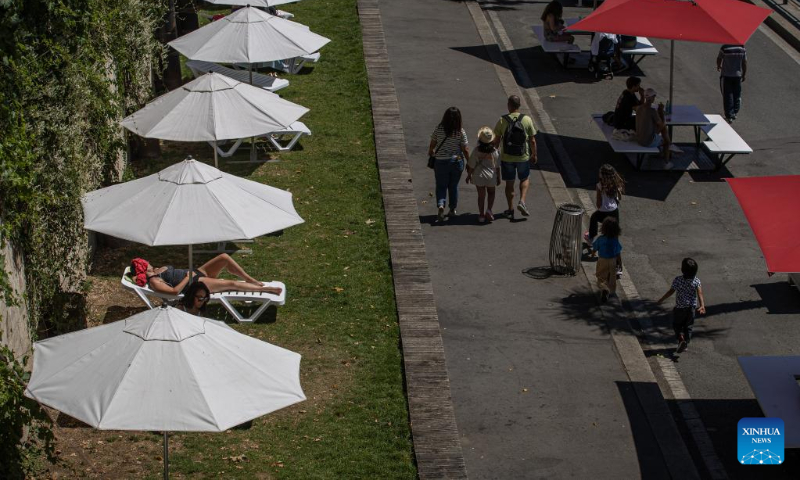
point(195, 299)
point(175, 281)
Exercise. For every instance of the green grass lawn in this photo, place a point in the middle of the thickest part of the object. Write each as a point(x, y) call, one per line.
point(340, 312)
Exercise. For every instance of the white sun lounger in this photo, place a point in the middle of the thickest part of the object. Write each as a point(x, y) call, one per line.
point(294, 131)
point(294, 65)
point(225, 298)
point(272, 84)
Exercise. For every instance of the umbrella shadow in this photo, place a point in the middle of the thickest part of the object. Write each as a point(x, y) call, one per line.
point(554, 74)
point(65, 421)
point(780, 298)
point(116, 313)
point(587, 155)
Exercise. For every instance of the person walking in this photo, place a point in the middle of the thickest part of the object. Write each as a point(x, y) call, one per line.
point(516, 133)
point(689, 290)
point(732, 68)
point(483, 170)
point(608, 193)
point(450, 147)
point(609, 251)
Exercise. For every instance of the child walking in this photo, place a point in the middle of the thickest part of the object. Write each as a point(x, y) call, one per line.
point(609, 251)
point(687, 286)
point(483, 170)
point(608, 193)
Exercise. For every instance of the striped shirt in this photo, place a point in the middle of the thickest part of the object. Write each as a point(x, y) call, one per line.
point(451, 146)
point(732, 56)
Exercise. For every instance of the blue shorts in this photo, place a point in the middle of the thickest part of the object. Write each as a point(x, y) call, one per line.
point(509, 171)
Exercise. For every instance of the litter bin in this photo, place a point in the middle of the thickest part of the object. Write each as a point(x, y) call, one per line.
point(565, 242)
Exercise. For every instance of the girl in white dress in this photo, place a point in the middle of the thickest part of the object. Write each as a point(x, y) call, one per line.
point(483, 170)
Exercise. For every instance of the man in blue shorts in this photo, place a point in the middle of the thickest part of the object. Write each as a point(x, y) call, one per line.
point(514, 135)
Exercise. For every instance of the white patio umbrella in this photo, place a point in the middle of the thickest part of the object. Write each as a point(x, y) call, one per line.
point(249, 35)
point(187, 203)
point(213, 107)
point(163, 370)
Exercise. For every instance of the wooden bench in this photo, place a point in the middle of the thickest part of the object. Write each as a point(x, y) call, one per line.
point(619, 146)
point(267, 82)
point(723, 140)
point(555, 48)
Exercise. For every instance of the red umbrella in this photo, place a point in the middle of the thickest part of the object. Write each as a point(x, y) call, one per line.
point(770, 205)
point(710, 21)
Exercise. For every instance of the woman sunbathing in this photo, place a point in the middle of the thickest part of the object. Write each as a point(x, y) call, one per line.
point(175, 281)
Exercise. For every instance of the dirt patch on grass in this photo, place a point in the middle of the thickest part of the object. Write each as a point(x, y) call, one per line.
point(84, 452)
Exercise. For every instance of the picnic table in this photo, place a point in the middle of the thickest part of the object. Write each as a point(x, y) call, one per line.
point(562, 50)
point(687, 116)
point(774, 383)
point(722, 138)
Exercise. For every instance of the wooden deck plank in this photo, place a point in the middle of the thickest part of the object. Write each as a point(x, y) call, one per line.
point(437, 447)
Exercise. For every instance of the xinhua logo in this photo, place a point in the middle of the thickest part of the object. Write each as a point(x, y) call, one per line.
point(760, 441)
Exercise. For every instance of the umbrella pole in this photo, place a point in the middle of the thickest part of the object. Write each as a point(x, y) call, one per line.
point(166, 456)
point(252, 139)
point(671, 69)
point(215, 154)
point(191, 264)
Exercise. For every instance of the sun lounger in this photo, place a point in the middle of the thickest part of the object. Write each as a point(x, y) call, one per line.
point(723, 140)
point(267, 82)
point(225, 298)
point(294, 65)
point(293, 133)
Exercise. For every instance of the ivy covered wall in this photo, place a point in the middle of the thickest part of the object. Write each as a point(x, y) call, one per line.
point(69, 71)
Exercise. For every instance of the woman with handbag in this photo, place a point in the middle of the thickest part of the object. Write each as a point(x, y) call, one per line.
point(446, 155)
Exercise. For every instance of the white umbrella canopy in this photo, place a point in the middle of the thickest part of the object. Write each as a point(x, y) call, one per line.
point(249, 35)
point(164, 370)
point(213, 107)
point(188, 203)
point(252, 3)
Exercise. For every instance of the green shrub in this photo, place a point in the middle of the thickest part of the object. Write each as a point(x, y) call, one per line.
point(24, 427)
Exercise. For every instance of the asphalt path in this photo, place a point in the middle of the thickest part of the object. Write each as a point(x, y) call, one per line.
point(668, 216)
point(537, 388)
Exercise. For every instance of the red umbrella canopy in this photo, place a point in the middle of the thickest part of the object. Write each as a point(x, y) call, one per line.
point(710, 21)
point(771, 205)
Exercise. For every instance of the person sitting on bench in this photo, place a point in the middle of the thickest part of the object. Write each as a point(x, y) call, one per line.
point(554, 28)
point(175, 281)
point(626, 103)
point(650, 123)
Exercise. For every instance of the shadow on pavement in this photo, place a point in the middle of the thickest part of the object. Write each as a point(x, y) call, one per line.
point(582, 305)
point(780, 298)
point(720, 417)
point(651, 463)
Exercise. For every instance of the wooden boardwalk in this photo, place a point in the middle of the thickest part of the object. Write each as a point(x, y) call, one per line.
point(433, 425)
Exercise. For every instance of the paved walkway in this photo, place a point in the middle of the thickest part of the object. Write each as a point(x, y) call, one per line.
point(537, 386)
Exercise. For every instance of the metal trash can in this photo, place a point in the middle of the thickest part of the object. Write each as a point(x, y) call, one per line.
point(566, 245)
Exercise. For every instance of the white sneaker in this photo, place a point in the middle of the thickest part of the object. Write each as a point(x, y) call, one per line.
point(523, 209)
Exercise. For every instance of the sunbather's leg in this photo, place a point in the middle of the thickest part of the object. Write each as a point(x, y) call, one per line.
point(213, 267)
point(217, 285)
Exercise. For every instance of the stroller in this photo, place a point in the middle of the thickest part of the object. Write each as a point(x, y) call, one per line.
point(600, 64)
